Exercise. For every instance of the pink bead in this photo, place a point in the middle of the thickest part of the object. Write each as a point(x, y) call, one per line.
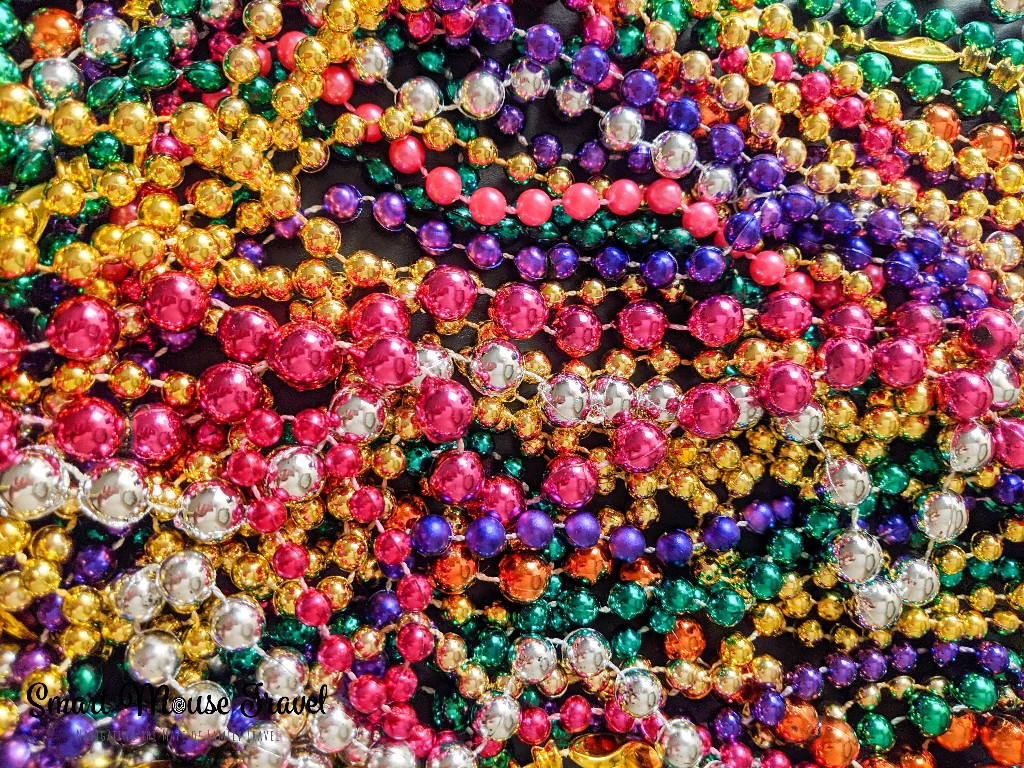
point(716, 321)
point(290, 561)
point(407, 154)
point(918, 321)
point(286, 48)
point(786, 316)
point(344, 460)
point(774, 758)
point(443, 185)
point(414, 592)
point(617, 720)
point(990, 334)
point(767, 268)
point(651, 727)
point(664, 196)
point(245, 334)
point(519, 310)
point(877, 277)
point(700, 219)
point(267, 515)
point(534, 726)
point(1008, 436)
point(400, 719)
point(849, 319)
point(708, 411)
point(785, 388)
point(11, 342)
point(798, 283)
point(370, 113)
point(534, 207)
point(337, 85)
point(89, 429)
point(847, 362)
point(577, 330)
point(392, 547)
point(876, 140)
point(421, 741)
point(304, 355)
point(264, 427)
point(571, 481)
point(245, 468)
point(377, 313)
point(82, 328)
point(736, 755)
point(367, 693)
point(456, 477)
point(447, 293)
point(366, 504)
point(623, 197)
point(335, 653)
point(444, 410)
point(401, 683)
point(580, 201)
point(166, 144)
point(210, 436)
point(639, 446)
point(414, 642)
point(981, 279)
point(310, 426)
point(487, 206)
point(815, 87)
point(388, 362)
point(642, 324)
point(848, 112)
point(599, 30)
point(501, 497)
point(157, 433)
point(576, 714)
point(313, 608)
point(228, 392)
point(733, 60)
point(421, 25)
point(899, 362)
point(783, 65)
point(965, 394)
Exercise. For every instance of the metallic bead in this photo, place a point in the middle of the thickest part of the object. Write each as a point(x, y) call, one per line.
point(497, 717)
point(359, 413)
point(54, 80)
point(857, 555)
point(332, 729)
point(674, 154)
point(481, 95)
point(137, 596)
point(236, 624)
point(420, 97)
point(844, 482)
point(745, 395)
point(186, 578)
point(283, 674)
point(371, 60)
point(942, 516)
point(622, 128)
point(659, 399)
point(202, 719)
point(611, 400)
point(916, 580)
point(533, 659)
point(391, 756)
point(265, 745)
point(716, 184)
point(573, 97)
point(114, 494)
point(586, 652)
point(805, 427)
point(638, 692)
point(566, 399)
point(681, 743)
point(153, 656)
point(451, 754)
point(1005, 383)
point(433, 361)
point(497, 367)
point(107, 39)
point(295, 474)
point(876, 604)
point(34, 485)
point(210, 511)
point(970, 447)
point(529, 80)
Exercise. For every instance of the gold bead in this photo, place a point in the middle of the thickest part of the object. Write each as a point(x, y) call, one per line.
point(132, 122)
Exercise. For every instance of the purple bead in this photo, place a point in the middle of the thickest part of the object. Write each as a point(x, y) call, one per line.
point(564, 260)
point(592, 156)
point(837, 219)
point(133, 726)
point(871, 664)
point(798, 203)
point(376, 666)
point(382, 608)
point(728, 725)
point(683, 114)
point(485, 536)
point(969, 299)
point(903, 656)
point(841, 669)
point(70, 736)
point(639, 88)
point(94, 563)
point(721, 534)
point(993, 656)
point(238, 721)
point(884, 226)
point(759, 516)
point(494, 22)
point(626, 544)
point(94, 70)
point(660, 269)
point(782, 508)
point(183, 746)
point(178, 341)
point(48, 612)
point(432, 535)
point(29, 659)
point(769, 708)
point(542, 43)
point(1009, 489)
point(611, 262)
point(855, 251)
point(492, 66)
point(806, 681)
point(389, 211)
point(638, 160)
point(952, 270)
point(674, 548)
point(742, 231)
point(251, 251)
point(894, 529)
point(582, 530)
point(590, 64)
point(769, 212)
point(397, 570)
point(901, 268)
point(15, 752)
point(706, 264)
point(535, 529)
point(448, 6)
point(96, 10)
point(764, 173)
point(510, 120)
point(726, 141)
point(546, 151)
point(343, 202)
point(531, 263)
point(286, 229)
point(434, 237)
point(484, 251)
point(926, 244)
point(944, 653)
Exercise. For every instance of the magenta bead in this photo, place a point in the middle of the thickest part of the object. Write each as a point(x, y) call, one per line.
point(304, 355)
point(577, 330)
point(447, 293)
point(785, 388)
point(849, 320)
point(89, 428)
point(414, 642)
point(639, 446)
point(899, 362)
point(642, 324)
point(846, 361)
point(716, 321)
point(534, 725)
point(519, 310)
point(965, 394)
point(378, 313)
point(456, 477)
point(310, 426)
point(267, 515)
point(367, 694)
point(176, 302)
point(343, 460)
point(313, 608)
point(82, 328)
point(388, 362)
point(501, 497)
point(392, 547)
point(1008, 435)
point(571, 481)
point(414, 592)
point(990, 334)
point(708, 411)
point(157, 433)
point(335, 653)
point(246, 333)
point(444, 410)
point(228, 392)
point(12, 341)
point(736, 755)
point(786, 315)
point(918, 321)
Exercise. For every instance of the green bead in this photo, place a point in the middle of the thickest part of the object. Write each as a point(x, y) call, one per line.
point(416, 198)
point(673, 13)
point(923, 82)
point(705, 34)
point(242, 663)
point(976, 692)
point(530, 698)
point(580, 608)
point(859, 12)
point(470, 178)
point(677, 240)
point(554, 588)
point(85, 679)
point(950, 580)
point(1006, 10)
point(10, 72)
point(480, 442)
point(1012, 49)
point(152, 41)
point(821, 523)
point(257, 93)
point(1009, 569)
point(662, 622)
point(555, 550)
point(876, 733)
point(930, 714)
point(205, 75)
point(8, 143)
point(1008, 109)
point(632, 234)
point(891, 478)
point(786, 546)
point(924, 462)
point(980, 570)
point(628, 42)
point(898, 17)
point(979, 34)
point(508, 230)
point(418, 459)
point(971, 96)
point(588, 235)
point(291, 632)
point(492, 649)
point(152, 73)
point(627, 600)
point(939, 24)
point(379, 172)
point(432, 60)
point(104, 94)
point(626, 643)
point(179, 7)
point(726, 607)
point(10, 25)
point(678, 596)
point(513, 467)
point(392, 38)
point(764, 579)
point(816, 7)
point(32, 167)
point(465, 130)
point(532, 619)
point(450, 711)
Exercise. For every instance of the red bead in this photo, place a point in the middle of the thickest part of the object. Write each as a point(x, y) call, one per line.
point(700, 219)
point(286, 48)
point(623, 196)
point(335, 653)
point(534, 725)
point(534, 207)
point(366, 504)
point(291, 560)
point(487, 206)
point(245, 468)
point(580, 201)
point(767, 268)
point(371, 114)
point(337, 85)
point(310, 426)
point(443, 185)
point(401, 683)
point(392, 547)
point(367, 694)
point(407, 154)
point(664, 196)
point(421, 25)
point(264, 427)
point(313, 608)
point(414, 642)
point(399, 721)
point(344, 460)
point(267, 515)
point(414, 592)
point(576, 714)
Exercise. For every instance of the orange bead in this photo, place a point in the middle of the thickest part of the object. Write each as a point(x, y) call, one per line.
point(1003, 737)
point(799, 724)
point(876, 762)
point(963, 732)
point(910, 759)
point(523, 577)
point(685, 641)
point(51, 32)
point(588, 565)
point(836, 745)
point(455, 571)
point(943, 121)
point(642, 571)
point(995, 141)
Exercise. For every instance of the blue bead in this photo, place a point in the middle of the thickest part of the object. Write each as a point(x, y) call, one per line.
point(531, 263)
point(952, 270)
point(884, 226)
point(674, 548)
point(726, 141)
point(742, 231)
point(543, 43)
point(855, 252)
point(639, 88)
point(590, 64)
point(564, 260)
point(535, 529)
point(901, 268)
point(798, 203)
point(611, 262)
point(432, 535)
point(660, 269)
point(722, 534)
point(683, 114)
point(765, 173)
point(582, 529)
point(808, 238)
point(925, 244)
point(485, 536)
point(626, 544)
point(706, 264)
point(837, 219)
point(759, 516)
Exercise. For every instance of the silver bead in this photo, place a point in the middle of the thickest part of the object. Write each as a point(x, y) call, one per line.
point(54, 80)
point(1005, 381)
point(236, 624)
point(573, 97)
point(877, 604)
point(359, 413)
point(305, 758)
point(114, 494)
point(496, 368)
point(805, 427)
point(611, 400)
point(210, 511)
point(331, 730)
point(533, 659)
point(107, 39)
point(391, 756)
point(529, 80)
point(283, 674)
point(357, 753)
point(153, 656)
point(8, 655)
point(34, 485)
point(716, 184)
point(745, 395)
point(371, 60)
point(182, 30)
point(844, 482)
point(970, 447)
point(295, 474)
point(451, 754)
point(421, 97)
point(680, 740)
point(137, 596)
point(674, 154)
point(916, 580)
point(566, 400)
point(198, 721)
point(497, 717)
point(1011, 245)
point(481, 95)
point(433, 361)
point(622, 128)
point(942, 516)
point(638, 692)
point(857, 555)
point(265, 745)
point(186, 578)
point(314, 11)
point(586, 652)
point(862, 209)
point(659, 399)
point(38, 138)
point(213, 11)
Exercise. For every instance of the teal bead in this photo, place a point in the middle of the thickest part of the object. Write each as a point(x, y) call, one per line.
point(418, 459)
point(416, 198)
point(10, 24)
point(876, 68)
point(392, 38)
point(976, 692)
point(899, 17)
point(678, 596)
point(627, 600)
point(530, 698)
point(465, 130)
point(480, 442)
point(179, 7)
point(257, 93)
point(939, 24)
point(876, 732)
point(152, 74)
point(859, 12)
point(930, 714)
point(626, 643)
point(84, 679)
point(632, 234)
point(891, 478)
point(628, 42)
point(580, 608)
point(980, 570)
point(532, 619)
point(1012, 49)
point(242, 663)
point(764, 579)
point(554, 588)
point(508, 230)
point(8, 143)
point(677, 240)
point(588, 235)
point(821, 523)
point(949, 580)
point(205, 75)
point(979, 34)
point(469, 177)
point(10, 72)
point(725, 607)
point(662, 622)
point(923, 82)
point(492, 649)
point(431, 60)
point(786, 546)
point(1008, 569)
point(971, 96)
point(673, 13)
point(555, 550)
point(513, 467)
point(153, 42)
